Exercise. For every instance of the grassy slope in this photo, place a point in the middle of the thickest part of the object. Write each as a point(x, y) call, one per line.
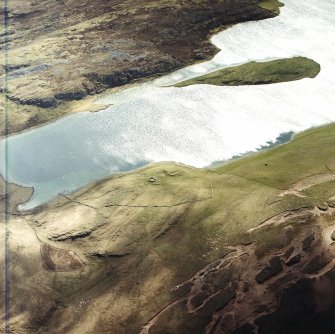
point(308, 154)
point(254, 73)
point(174, 227)
point(271, 5)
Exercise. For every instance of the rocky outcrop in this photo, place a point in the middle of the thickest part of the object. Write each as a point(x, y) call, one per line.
point(273, 269)
point(43, 102)
point(60, 51)
point(148, 266)
point(70, 235)
point(224, 297)
point(101, 255)
point(118, 78)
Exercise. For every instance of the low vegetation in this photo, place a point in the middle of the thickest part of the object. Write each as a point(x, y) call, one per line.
point(140, 235)
point(271, 5)
point(257, 73)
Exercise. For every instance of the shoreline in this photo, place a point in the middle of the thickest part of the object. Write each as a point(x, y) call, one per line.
point(247, 155)
point(91, 99)
point(194, 46)
point(163, 246)
point(20, 192)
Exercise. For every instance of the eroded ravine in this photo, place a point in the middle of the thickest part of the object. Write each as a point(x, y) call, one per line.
point(241, 288)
